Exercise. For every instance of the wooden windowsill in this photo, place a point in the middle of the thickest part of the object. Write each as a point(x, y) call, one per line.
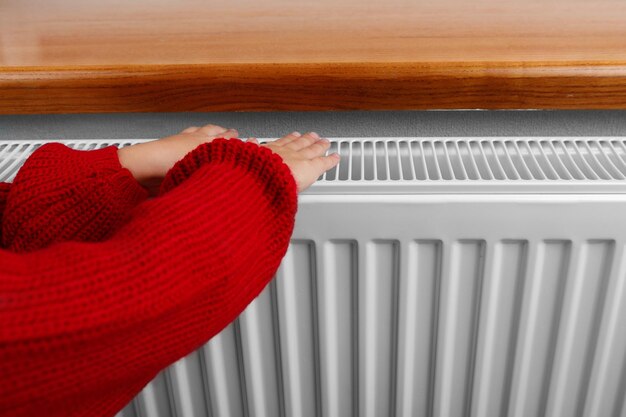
point(70, 56)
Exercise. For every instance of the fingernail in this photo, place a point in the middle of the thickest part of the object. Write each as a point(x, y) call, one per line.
point(315, 135)
point(297, 134)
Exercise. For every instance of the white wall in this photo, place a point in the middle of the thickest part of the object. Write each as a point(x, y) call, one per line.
point(330, 124)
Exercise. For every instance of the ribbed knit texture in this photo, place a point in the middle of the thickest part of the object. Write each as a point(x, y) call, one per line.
point(4, 192)
point(84, 326)
point(64, 194)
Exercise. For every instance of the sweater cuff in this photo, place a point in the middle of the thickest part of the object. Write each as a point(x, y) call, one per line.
point(267, 167)
point(62, 194)
point(105, 162)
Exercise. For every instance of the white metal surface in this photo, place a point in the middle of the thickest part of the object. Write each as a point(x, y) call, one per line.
point(463, 291)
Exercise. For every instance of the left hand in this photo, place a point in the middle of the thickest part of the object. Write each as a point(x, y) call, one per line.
point(150, 161)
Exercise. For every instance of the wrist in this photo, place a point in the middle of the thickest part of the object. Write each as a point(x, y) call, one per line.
point(130, 158)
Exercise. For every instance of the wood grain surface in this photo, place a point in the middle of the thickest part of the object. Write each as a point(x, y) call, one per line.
point(70, 56)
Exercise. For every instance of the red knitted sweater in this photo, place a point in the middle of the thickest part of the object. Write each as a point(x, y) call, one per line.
point(101, 287)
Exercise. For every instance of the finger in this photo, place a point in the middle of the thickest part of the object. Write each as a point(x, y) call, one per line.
point(303, 141)
point(316, 149)
point(212, 130)
point(326, 162)
point(191, 129)
point(287, 138)
point(228, 134)
point(253, 140)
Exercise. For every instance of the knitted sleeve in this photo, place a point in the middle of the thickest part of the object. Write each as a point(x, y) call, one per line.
point(4, 192)
point(63, 194)
point(84, 326)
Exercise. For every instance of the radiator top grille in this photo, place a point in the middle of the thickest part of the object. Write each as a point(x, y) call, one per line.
point(436, 165)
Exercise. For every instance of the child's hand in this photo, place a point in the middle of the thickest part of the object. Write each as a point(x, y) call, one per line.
point(150, 161)
point(303, 154)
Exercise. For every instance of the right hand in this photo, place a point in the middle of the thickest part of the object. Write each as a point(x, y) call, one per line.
point(303, 154)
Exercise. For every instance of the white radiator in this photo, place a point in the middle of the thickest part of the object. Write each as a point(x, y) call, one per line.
point(428, 277)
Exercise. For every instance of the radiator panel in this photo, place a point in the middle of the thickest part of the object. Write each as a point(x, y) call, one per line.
point(433, 278)
point(476, 320)
point(514, 362)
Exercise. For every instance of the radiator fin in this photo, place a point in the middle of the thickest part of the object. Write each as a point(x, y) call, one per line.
point(338, 330)
point(154, 400)
point(578, 329)
point(541, 308)
point(262, 356)
point(297, 317)
point(377, 320)
point(418, 295)
point(461, 282)
point(505, 268)
point(224, 373)
point(606, 395)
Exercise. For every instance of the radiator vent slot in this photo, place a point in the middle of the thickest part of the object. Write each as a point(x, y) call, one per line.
point(437, 165)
